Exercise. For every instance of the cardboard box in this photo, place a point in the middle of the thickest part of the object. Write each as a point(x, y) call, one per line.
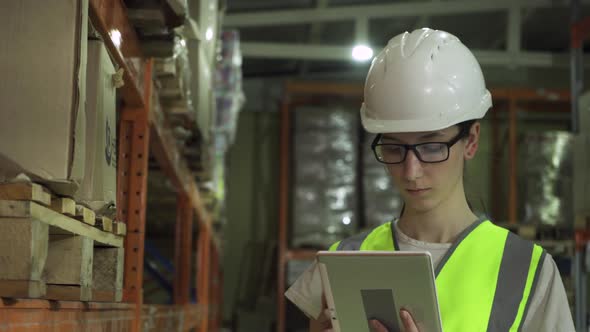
point(43, 61)
point(99, 186)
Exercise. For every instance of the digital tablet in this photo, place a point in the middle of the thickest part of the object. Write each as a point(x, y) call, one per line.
point(364, 285)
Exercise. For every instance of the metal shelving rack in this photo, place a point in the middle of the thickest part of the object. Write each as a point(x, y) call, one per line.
point(141, 131)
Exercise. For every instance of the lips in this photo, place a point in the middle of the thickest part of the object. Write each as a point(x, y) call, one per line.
point(417, 191)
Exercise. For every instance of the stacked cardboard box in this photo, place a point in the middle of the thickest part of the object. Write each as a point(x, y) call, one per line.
point(57, 121)
point(99, 185)
point(42, 120)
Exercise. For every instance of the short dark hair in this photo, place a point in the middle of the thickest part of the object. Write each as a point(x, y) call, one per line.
point(465, 127)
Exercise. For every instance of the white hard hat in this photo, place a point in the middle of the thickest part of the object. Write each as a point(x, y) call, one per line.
point(423, 81)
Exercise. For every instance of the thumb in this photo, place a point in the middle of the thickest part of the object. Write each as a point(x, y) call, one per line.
point(376, 326)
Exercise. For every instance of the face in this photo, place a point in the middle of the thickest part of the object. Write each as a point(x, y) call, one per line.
point(426, 186)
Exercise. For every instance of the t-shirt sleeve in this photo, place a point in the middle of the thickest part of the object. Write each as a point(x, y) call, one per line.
point(306, 292)
point(549, 308)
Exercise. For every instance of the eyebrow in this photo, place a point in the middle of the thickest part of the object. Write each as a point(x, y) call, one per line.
point(423, 137)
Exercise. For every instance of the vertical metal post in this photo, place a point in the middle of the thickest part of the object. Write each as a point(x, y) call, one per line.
point(203, 276)
point(134, 151)
point(495, 169)
point(513, 184)
point(183, 250)
point(580, 284)
point(576, 67)
point(283, 209)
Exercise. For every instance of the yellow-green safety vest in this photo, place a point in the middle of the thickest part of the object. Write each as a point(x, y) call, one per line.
point(484, 282)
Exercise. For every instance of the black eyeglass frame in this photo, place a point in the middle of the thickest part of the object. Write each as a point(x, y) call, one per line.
point(462, 133)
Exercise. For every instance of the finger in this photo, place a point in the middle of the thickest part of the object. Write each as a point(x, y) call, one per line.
point(408, 321)
point(376, 326)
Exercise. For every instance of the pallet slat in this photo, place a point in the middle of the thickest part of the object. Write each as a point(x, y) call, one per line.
point(64, 205)
point(22, 288)
point(68, 293)
point(106, 224)
point(69, 262)
point(23, 248)
point(17, 209)
point(119, 228)
point(25, 191)
point(86, 215)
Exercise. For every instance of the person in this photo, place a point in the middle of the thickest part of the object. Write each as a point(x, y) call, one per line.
point(424, 96)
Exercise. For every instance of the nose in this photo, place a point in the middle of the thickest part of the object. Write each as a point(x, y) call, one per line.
point(412, 167)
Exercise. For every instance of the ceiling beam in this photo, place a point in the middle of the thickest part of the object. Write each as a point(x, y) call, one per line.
point(346, 13)
point(343, 53)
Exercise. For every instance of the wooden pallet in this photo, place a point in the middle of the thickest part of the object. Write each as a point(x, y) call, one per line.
point(46, 253)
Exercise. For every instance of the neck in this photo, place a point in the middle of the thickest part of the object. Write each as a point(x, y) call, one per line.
point(443, 223)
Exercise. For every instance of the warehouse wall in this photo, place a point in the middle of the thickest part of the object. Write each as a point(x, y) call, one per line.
point(252, 205)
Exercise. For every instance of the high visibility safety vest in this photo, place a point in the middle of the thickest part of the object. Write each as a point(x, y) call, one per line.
point(484, 282)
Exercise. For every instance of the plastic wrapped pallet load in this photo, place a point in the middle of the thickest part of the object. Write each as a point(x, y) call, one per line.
point(545, 178)
point(382, 200)
point(325, 156)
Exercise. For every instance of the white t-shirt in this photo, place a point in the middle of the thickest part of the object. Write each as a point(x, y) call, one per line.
point(548, 311)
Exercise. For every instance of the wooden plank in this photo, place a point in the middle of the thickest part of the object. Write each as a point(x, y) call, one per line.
point(120, 228)
point(22, 288)
point(68, 293)
point(85, 214)
point(105, 296)
point(69, 262)
point(64, 205)
point(25, 191)
point(17, 209)
point(23, 248)
point(108, 267)
point(105, 223)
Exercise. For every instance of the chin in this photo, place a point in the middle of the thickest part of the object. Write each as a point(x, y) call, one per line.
point(420, 205)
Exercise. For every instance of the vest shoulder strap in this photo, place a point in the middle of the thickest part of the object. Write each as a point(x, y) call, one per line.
point(378, 238)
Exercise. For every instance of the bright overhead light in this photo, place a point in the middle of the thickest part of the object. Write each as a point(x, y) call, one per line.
point(209, 33)
point(362, 53)
point(346, 220)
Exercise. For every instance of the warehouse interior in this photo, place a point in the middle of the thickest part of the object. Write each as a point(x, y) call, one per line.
point(175, 165)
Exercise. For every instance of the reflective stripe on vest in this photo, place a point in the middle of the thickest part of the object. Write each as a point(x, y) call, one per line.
point(484, 281)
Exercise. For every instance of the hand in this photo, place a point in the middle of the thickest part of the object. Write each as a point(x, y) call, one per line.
point(407, 320)
point(325, 321)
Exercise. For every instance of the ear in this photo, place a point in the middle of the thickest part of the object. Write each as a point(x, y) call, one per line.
point(472, 141)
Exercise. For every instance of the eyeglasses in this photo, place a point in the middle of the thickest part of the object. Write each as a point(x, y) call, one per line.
point(430, 152)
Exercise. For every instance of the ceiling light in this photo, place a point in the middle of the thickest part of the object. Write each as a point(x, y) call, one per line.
point(209, 34)
point(346, 220)
point(362, 53)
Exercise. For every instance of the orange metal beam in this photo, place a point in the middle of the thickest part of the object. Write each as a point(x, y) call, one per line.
point(513, 160)
point(300, 254)
point(108, 16)
point(323, 88)
point(134, 149)
point(65, 316)
point(183, 250)
point(580, 31)
point(164, 149)
point(495, 164)
point(203, 277)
